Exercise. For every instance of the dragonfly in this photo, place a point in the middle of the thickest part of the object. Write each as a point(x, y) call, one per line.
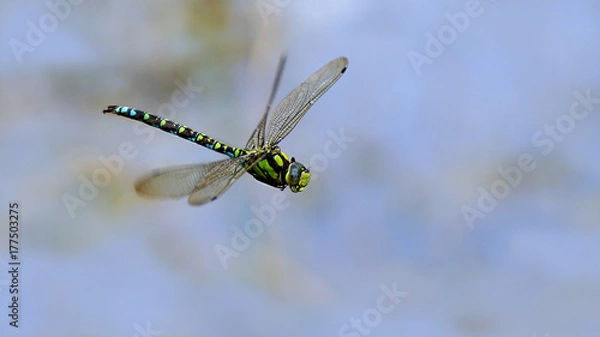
point(261, 157)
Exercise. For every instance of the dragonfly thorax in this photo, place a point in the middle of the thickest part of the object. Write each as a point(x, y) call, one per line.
point(277, 170)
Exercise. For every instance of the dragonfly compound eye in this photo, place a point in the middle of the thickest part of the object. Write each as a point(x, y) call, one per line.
point(297, 177)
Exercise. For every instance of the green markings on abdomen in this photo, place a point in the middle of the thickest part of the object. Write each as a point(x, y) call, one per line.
point(176, 129)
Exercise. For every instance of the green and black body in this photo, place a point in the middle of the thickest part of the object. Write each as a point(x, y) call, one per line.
point(271, 170)
point(261, 157)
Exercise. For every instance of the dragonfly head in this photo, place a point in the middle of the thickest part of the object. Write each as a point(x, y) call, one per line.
point(297, 176)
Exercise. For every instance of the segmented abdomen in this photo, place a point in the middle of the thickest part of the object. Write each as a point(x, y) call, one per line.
point(176, 129)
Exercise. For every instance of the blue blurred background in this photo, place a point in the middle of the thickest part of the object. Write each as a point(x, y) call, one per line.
point(465, 184)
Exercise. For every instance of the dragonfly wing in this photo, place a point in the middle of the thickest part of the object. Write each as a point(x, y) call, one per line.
point(172, 182)
point(218, 180)
point(295, 105)
point(257, 139)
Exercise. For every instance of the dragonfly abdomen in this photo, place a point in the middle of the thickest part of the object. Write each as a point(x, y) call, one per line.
point(176, 129)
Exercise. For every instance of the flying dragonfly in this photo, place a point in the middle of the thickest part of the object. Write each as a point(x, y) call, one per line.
point(261, 157)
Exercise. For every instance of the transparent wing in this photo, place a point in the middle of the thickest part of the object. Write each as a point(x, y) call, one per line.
point(201, 182)
point(295, 105)
point(172, 182)
point(221, 177)
point(257, 139)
